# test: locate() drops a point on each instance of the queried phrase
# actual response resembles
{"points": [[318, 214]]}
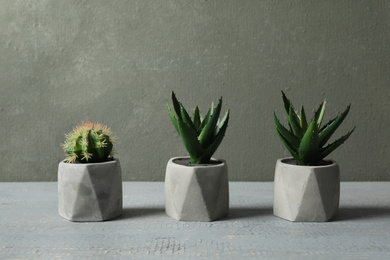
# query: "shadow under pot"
{"points": [[306, 193], [196, 192], [90, 191]]}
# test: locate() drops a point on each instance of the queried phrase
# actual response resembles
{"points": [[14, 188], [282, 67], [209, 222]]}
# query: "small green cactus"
{"points": [[305, 141], [201, 136], [89, 143]]}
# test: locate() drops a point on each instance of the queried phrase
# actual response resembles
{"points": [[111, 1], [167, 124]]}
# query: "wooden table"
{"points": [[30, 227]]}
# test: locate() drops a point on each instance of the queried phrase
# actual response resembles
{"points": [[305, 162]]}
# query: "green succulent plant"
{"points": [[304, 141], [201, 136], [89, 143]]}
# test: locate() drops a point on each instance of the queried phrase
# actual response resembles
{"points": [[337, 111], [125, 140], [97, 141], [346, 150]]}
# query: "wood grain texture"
{"points": [[30, 227]]}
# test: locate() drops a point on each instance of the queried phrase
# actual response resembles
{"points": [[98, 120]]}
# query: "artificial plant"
{"points": [[305, 141], [89, 143], [201, 136]]}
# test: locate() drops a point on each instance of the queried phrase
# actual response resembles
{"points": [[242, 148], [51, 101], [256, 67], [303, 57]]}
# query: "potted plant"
{"points": [[196, 187], [89, 179], [306, 186]]}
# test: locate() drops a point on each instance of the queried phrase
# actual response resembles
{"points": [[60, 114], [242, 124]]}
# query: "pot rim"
{"points": [[114, 160], [222, 164], [280, 160]]}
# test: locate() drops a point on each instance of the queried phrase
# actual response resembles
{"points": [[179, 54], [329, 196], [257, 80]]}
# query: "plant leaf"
{"points": [[176, 105], [206, 118], [207, 134], [319, 115], [303, 120], [290, 148], [308, 149], [331, 127], [190, 141], [294, 123], [210, 150], [290, 137], [186, 118], [288, 105], [331, 147], [173, 118], [197, 122]]}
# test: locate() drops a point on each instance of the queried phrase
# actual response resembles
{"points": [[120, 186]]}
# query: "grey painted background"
{"points": [[116, 62]]}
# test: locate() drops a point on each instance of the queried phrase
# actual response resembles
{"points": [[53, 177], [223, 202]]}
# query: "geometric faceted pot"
{"points": [[196, 192], [306, 193], [90, 191]]}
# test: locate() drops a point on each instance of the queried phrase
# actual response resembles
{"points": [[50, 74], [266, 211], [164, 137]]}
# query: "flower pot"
{"points": [[306, 193], [90, 191], [196, 192]]}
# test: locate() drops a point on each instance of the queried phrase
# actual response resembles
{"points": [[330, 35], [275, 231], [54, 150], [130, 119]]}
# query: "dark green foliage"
{"points": [[201, 136], [306, 142]]}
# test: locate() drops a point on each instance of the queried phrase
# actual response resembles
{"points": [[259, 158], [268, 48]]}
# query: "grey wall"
{"points": [[116, 62]]}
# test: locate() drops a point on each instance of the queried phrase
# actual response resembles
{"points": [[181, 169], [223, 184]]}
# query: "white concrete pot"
{"points": [[90, 191], [196, 193], [306, 193]]}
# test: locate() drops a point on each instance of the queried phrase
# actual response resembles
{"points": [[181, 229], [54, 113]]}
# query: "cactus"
{"points": [[305, 141], [201, 136], [89, 143]]}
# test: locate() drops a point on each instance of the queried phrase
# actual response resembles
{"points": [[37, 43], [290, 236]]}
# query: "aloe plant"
{"points": [[304, 141], [89, 143], [201, 136]]}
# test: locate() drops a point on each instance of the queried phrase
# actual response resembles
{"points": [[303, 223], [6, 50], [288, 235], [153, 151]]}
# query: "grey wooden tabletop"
{"points": [[30, 227]]}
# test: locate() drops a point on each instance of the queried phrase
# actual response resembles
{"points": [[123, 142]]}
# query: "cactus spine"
{"points": [[89, 143]]}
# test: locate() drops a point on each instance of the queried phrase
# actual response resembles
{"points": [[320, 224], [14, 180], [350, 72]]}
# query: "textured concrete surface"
{"points": [[31, 228], [196, 193], [117, 61], [90, 191], [306, 193]]}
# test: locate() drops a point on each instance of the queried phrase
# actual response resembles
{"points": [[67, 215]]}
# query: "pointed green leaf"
{"points": [[294, 123], [197, 121], [331, 127], [331, 147], [308, 149], [210, 150], [207, 134], [221, 123], [303, 120], [206, 118], [176, 105], [292, 139], [290, 148], [288, 106], [186, 118], [287, 103], [319, 115], [173, 118], [190, 140]]}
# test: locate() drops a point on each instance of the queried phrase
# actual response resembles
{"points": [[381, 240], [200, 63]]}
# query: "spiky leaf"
{"points": [[319, 115], [303, 120], [173, 118], [290, 148], [289, 106], [294, 123], [207, 134], [210, 150], [331, 127], [176, 105], [186, 118], [197, 121], [308, 149], [290, 137], [206, 118], [190, 141], [331, 147]]}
